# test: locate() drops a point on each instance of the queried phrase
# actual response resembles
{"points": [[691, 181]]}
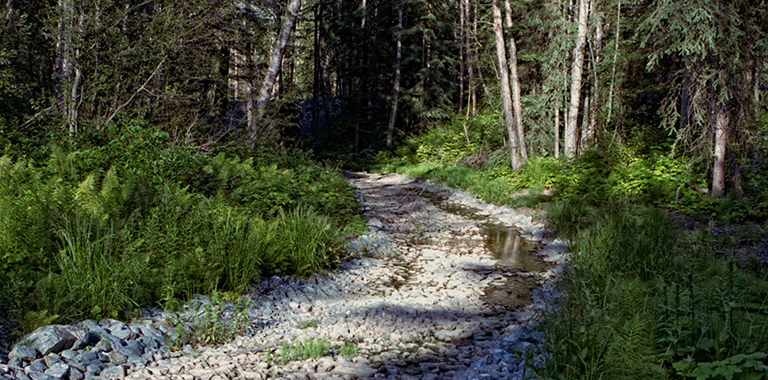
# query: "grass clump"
{"points": [[304, 349], [348, 350], [307, 324]]}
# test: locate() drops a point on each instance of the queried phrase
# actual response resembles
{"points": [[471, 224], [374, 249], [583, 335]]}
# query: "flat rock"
{"points": [[55, 338], [58, 371], [353, 369], [117, 372], [22, 352]]}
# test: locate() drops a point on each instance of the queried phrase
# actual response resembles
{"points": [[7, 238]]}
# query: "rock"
{"points": [[69, 354], [15, 362], [75, 374], [132, 348], [353, 369], [52, 359], [24, 353], [40, 376], [118, 358], [55, 338], [37, 366], [117, 372], [58, 371], [21, 375]]}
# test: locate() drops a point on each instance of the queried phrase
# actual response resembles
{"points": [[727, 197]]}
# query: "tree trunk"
{"points": [[506, 97], [276, 59], [462, 62], [615, 59], [571, 131], [557, 131], [66, 75], [514, 79], [721, 140], [396, 96]]}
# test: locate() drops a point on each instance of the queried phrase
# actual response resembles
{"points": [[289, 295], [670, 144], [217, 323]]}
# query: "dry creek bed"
{"points": [[443, 286]]}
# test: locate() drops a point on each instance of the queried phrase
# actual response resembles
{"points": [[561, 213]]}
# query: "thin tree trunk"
{"points": [[250, 113], [721, 140], [65, 71], [571, 131], [506, 97], [462, 60], [517, 103], [557, 131], [396, 97], [595, 46], [615, 59], [276, 60]]}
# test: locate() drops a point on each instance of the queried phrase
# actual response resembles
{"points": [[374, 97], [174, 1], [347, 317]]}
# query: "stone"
{"points": [[24, 353], [37, 366], [353, 369], [75, 374], [40, 376], [118, 358], [69, 354], [21, 375], [58, 371], [132, 348], [15, 362], [52, 359], [55, 338], [117, 372]]}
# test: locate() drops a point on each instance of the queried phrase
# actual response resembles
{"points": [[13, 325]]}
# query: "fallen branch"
{"points": [[28, 122]]}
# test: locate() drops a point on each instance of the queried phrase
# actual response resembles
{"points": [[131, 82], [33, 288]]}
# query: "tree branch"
{"points": [[142, 88]]}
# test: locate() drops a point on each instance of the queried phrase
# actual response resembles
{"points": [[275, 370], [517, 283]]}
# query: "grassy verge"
{"points": [[101, 231], [644, 297]]}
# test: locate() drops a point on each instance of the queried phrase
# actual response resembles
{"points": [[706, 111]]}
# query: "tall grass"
{"points": [[100, 232]]}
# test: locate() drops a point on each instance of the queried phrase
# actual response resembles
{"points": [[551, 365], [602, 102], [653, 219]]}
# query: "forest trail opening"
{"points": [[441, 287]]}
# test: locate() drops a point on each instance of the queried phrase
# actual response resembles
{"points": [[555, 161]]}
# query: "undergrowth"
{"points": [[100, 231]]}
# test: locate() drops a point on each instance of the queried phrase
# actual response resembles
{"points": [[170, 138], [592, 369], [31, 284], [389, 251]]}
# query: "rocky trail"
{"points": [[443, 286]]}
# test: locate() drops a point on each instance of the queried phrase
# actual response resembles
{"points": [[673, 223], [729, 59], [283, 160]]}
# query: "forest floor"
{"points": [[443, 286]]}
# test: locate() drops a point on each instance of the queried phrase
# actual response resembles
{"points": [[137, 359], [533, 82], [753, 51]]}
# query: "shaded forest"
{"points": [[142, 138]]}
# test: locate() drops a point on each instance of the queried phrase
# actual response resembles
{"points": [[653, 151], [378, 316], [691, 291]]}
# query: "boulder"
{"points": [[58, 371], [55, 338], [24, 353], [117, 372]]}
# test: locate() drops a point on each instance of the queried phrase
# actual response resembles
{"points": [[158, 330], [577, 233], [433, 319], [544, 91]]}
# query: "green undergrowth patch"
{"points": [[643, 299], [100, 231], [304, 349]]}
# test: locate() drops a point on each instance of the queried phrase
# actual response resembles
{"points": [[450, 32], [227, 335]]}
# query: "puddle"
{"points": [[511, 250]]}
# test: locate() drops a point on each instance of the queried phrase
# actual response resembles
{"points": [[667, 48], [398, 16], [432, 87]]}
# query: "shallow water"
{"points": [[511, 250]]}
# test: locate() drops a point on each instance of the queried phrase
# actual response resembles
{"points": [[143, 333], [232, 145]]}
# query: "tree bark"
{"points": [[721, 140], [462, 62], [571, 131], [514, 79], [615, 59], [506, 97], [66, 76], [557, 131], [396, 96], [275, 60]]}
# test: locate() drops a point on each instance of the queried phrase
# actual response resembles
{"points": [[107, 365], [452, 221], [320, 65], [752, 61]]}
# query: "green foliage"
{"points": [[348, 350], [304, 349], [221, 317], [99, 232]]}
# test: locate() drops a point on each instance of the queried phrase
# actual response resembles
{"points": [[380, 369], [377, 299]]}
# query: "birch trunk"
{"points": [[396, 97], [721, 140], [506, 97], [571, 131], [276, 60], [517, 103], [615, 59], [557, 131], [66, 76]]}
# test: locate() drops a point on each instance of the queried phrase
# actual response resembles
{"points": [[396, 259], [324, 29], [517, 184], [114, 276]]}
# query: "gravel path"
{"points": [[438, 289]]}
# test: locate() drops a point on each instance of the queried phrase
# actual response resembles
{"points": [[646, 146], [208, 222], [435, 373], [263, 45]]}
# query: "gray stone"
{"points": [[54, 338], [69, 354], [123, 332], [75, 374], [118, 358], [133, 348], [40, 376], [58, 371], [88, 356], [37, 366], [94, 377], [25, 353], [52, 359], [104, 345], [353, 369], [15, 362], [21, 375], [117, 372]]}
